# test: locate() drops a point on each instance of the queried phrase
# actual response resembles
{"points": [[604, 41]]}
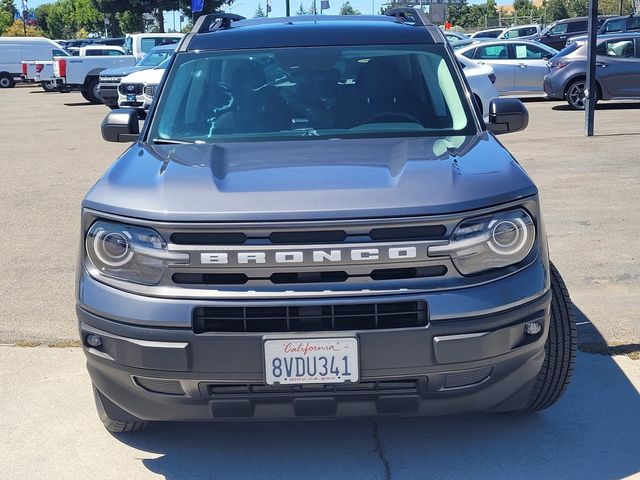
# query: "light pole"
{"points": [[590, 92]]}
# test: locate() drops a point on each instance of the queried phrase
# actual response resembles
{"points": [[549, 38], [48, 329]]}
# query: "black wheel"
{"points": [[6, 80], [85, 95], [92, 91], [48, 86], [560, 349], [113, 425], [574, 95]]}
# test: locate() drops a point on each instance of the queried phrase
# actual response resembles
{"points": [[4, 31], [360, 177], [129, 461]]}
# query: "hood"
{"points": [[310, 179], [153, 75], [122, 71]]}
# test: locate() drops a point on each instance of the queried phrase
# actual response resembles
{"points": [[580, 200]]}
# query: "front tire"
{"points": [[91, 92], [560, 348], [48, 87], [574, 95], [113, 425]]}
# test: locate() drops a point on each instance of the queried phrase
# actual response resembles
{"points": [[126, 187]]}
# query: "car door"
{"points": [[557, 36], [496, 55], [618, 67], [530, 67]]}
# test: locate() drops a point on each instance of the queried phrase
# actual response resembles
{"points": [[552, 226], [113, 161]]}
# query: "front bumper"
{"points": [[109, 94], [465, 363]]}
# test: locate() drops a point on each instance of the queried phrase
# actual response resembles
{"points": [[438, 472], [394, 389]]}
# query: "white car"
{"points": [[521, 31], [138, 89], [489, 33], [15, 50], [520, 65], [481, 79]]}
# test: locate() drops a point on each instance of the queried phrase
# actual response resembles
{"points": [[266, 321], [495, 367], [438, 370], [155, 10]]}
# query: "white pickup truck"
{"points": [[82, 73], [41, 71]]}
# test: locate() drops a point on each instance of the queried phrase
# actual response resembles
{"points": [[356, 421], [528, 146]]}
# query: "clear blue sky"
{"points": [[247, 7]]}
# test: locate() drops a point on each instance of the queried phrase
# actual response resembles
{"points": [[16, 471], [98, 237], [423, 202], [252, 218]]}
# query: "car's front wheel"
{"points": [[127, 424], [575, 94], [6, 81], [560, 349]]}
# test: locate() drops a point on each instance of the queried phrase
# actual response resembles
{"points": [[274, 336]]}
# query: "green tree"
{"points": [[555, 10], [347, 9], [7, 14], [612, 7], [131, 22], [259, 13], [301, 10], [578, 8]]}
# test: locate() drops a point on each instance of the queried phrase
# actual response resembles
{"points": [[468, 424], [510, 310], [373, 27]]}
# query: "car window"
{"points": [[558, 29], [580, 26], [311, 93], [153, 58], [623, 48], [470, 53], [59, 53], [113, 52], [147, 44], [511, 34], [612, 26], [529, 52], [492, 52], [524, 32], [633, 23], [488, 34]]}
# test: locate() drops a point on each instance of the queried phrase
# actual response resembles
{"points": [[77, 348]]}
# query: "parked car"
{"points": [[138, 44], [316, 223], [521, 32], [520, 65], [556, 34], [622, 24], [83, 73], [617, 71], [138, 89], [488, 33], [15, 50], [110, 78], [481, 79]]}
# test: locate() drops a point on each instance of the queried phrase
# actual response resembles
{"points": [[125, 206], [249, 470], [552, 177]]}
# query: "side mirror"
{"points": [[507, 115], [121, 125]]}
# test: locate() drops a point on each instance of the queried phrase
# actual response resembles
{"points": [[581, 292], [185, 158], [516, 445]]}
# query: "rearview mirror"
{"points": [[507, 115], [121, 125]]}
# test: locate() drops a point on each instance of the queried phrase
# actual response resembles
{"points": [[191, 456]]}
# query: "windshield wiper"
{"points": [[172, 141]]}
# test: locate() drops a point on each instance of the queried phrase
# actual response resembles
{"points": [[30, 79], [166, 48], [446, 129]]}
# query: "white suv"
{"points": [[137, 89]]}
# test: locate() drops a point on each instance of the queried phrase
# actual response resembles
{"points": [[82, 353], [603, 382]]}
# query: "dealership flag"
{"points": [[268, 6], [197, 5]]}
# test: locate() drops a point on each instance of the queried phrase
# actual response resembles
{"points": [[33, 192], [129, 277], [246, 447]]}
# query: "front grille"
{"points": [[112, 80], [310, 318], [404, 386], [130, 88], [150, 90]]}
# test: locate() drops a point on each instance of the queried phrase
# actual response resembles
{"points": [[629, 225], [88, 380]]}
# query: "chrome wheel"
{"points": [[575, 95], [5, 82]]}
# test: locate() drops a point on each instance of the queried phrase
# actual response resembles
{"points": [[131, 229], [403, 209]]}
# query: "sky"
{"points": [[247, 8]]}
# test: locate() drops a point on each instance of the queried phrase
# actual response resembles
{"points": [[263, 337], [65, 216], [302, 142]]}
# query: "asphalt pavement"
{"points": [[49, 430]]}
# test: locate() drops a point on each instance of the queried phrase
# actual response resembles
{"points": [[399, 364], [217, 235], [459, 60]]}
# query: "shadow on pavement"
{"points": [[600, 106], [79, 104], [591, 433]]}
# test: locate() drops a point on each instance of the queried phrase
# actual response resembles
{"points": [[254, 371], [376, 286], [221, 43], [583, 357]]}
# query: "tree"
{"points": [[555, 10], [301, 10], [578, 8], [7, 14], [131, 22], [259, 13], [347, 9], [17, 30]]}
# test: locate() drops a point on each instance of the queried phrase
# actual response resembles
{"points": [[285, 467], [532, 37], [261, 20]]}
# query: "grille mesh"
{"points": [[361, 316], [130, 88]]}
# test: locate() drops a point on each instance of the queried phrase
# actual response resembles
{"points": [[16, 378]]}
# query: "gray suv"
{"points": [[315, 222]]}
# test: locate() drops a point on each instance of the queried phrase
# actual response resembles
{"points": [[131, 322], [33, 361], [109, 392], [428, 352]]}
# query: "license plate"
{"points": [[317, 360], [131, 97]]}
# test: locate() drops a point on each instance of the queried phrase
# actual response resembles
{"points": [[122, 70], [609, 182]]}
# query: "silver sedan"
{"points": [[519, 65]]}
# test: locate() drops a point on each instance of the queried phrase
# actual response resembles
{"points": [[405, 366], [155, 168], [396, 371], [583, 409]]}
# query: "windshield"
{"points": [[326, 92], [154, 58], [572, 47]]}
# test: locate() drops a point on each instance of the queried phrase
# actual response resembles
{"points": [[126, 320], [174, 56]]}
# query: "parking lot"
{"points": [[52, 153]]}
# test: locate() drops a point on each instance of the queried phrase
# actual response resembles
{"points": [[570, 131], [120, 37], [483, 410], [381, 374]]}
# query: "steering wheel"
{"points": [[400, 115]]}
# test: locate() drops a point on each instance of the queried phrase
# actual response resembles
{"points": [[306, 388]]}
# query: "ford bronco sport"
{"points": [[315, 222]]}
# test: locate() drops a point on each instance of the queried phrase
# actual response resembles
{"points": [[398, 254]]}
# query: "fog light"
{"points": [[532, 328], [93, 340]]}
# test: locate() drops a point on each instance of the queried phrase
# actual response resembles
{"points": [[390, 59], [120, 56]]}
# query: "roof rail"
{"points": [[409, 15], [215, 21]]}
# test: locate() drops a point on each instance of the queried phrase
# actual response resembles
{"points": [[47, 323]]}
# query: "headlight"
{"points": [[485, 243], [129, 253]]}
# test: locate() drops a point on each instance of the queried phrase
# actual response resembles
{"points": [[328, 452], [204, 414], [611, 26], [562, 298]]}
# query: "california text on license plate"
{"points": [[317, 360]]}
